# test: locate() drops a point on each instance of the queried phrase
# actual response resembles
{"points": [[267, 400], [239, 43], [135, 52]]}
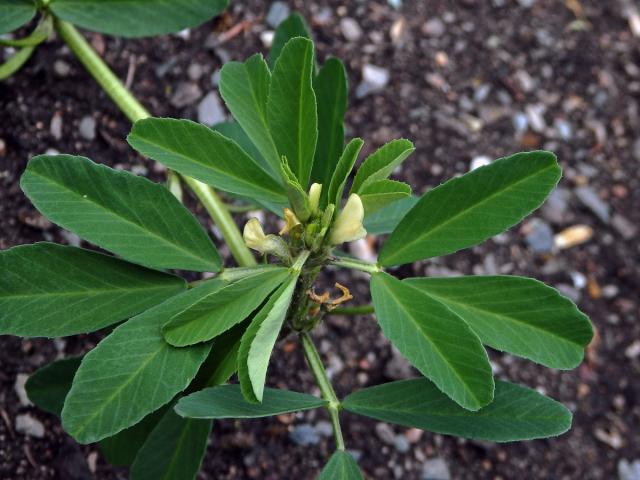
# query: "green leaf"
{"points": [[259, 340], [342, 171], [121, 449], [516, 413], [330, 86], [14, 63], [387, 218], [136, 18], [234, 131], [52, 291], [341, 466], [245, 88], [221, 310], [48, 386], [197, 151], [174, 449], [132, 372], [293, 26], [15, 13], [381, 193], [435, 340], [137, 219], [519, 315], [469, 209], [226, 401], [291, 107], [381, 163]]}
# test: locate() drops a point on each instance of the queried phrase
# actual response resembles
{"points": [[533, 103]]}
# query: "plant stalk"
{"points": [[134, 111], [355, 264], [315, 364]]}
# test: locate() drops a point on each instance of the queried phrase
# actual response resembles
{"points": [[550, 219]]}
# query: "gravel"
{"points": [[27, 425], [210, 109]]}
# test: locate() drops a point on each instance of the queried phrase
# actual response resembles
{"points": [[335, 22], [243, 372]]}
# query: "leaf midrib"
{"points": [[251, 186], [438, 298], [438, 350], [89, 291], [114, 213], [430, 232]]}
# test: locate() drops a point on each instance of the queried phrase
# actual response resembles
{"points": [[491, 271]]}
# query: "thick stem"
{"points": [[358, 310], [223, 220], [355, 264], [134, 112], [315, 364]]}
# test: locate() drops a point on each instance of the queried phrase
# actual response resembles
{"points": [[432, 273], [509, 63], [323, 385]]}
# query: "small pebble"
{"points": [[385, 433], [278, 12], [18, 387], [374, 79], [590, 199], [210, 110], [401, 444], [628, 470], [304, 435], [195, 71], [572, 236], [56, 126], [350, 29], [27, 425], [186, 94], [61, 68], [435, 469], [434, 27], [633, 350], [624, 227], [540, 236], [87, 128], [480, 161]]}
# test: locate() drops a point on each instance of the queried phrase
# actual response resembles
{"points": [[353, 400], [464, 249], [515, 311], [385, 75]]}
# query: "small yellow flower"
{"points": [[348, 226], [290, 220], [255, 238], [314, 196]]}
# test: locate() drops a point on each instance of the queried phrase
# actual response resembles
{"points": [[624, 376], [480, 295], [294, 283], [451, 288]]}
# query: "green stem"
{"points": [[223, 220], [101, 72], [358, 310], [134, 112], [355, 264], [315, 364]]}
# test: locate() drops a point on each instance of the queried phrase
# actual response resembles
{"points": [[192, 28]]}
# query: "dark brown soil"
{"points": [[583, 66]]}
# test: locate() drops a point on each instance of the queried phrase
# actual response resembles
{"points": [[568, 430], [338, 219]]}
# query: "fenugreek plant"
{"points": [[149, 391]]}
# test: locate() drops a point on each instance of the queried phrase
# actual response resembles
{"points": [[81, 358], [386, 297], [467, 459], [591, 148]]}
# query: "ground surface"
{"points": [[467, 78]]}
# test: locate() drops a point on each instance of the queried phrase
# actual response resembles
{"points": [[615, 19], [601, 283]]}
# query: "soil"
{"points": [[456, 93]]}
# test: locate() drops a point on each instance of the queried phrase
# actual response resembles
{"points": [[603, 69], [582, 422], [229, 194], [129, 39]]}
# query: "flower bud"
{"points": [[290, 220], [255, 238], [348, 226], [314, 197]]}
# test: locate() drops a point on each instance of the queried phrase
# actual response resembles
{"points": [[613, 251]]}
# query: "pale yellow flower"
{"points": [[314, 196], [348, 226]]}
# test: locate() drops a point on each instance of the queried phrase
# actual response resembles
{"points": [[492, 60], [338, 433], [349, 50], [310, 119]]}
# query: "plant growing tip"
{"points": [[196, 338]]}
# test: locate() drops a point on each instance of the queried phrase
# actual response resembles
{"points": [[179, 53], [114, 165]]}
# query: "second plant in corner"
{"points": [[151, 389]]}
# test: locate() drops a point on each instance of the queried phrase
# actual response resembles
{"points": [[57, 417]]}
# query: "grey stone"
{"points": [[535, 114], [350, 29], [434, 27], [18, 387], [278, 12], [374, 79], [628, 469], [563, 129], [624, 227], [215, 78], [385, 433], [540, 236], [87, 128], [482, 92], [324, 428], [555, 208], [479, 161], [195, 71], [520, 122], [636, 149], [593, 202], [56, 126], [27, 425], [569, 291], [210, 110], [401, 444], [186, 94], [61, 68], [524, 79], [435, 469], [304, 435]]}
